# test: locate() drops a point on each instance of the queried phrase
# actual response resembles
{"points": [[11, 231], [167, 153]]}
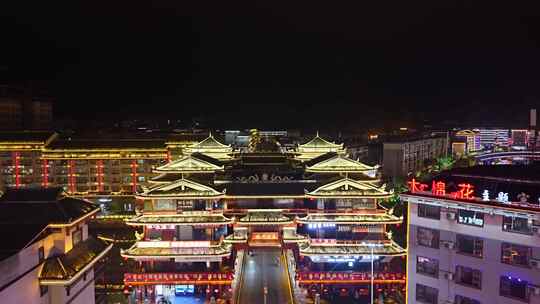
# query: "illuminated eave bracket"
{"points": [[146, 220], [70, 281], [383, 218], [342, 250]]}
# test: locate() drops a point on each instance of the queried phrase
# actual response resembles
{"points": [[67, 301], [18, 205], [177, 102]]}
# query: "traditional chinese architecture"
{"points": [[473, 236], [207, 206], [46, 255]]}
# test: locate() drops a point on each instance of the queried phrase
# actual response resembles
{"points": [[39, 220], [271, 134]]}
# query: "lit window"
{"points": [[427, 266], [515, 254]]}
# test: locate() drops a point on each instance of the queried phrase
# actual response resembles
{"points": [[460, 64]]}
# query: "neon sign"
{"points": [[178, 278], [502, 197], [438, 188], [415, 186], [485, 195], [467, 191], [321, 225]]}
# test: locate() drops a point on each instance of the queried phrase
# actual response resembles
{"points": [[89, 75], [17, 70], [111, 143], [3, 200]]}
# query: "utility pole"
{"points": [[372, 279], [534, 135]]}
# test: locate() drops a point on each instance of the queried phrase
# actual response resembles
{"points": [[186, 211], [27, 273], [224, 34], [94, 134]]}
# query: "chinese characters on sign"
{"points": [[466, 191], [179, 278], [438, 188], [415, 186], [502, 197]]}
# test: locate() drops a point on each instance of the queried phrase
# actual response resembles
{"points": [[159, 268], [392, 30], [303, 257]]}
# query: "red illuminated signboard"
{"points": [[356, 277], [438, 188], [178, 278]]}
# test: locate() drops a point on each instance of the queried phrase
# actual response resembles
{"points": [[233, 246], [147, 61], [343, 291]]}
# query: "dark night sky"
{"points": [[294, 63]]}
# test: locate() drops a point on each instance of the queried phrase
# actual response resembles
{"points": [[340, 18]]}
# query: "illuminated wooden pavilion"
{"points": [[205, 206], [317, 147]]}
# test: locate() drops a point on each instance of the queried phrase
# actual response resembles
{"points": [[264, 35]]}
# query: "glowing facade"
{"points": [[205, 208], [47, 256], [473, 237], [87, 168]]}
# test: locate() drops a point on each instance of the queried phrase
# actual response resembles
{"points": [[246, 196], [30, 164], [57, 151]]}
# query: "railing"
{"points": [[290, 267], [237, 282]]}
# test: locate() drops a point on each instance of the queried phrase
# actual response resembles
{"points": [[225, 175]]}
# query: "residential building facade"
{"points": [[403, 156], [474, 237], [46, 255]]}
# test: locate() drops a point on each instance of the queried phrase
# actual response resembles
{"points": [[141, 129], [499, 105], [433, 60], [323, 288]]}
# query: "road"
{"points": [[265, 268]]}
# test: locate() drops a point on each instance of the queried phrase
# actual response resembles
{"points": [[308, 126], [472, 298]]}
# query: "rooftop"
{"points": [[511, 179], [68, 267], [412, 137], [30, 211], [26, 136], [107, 144], [319, 142], [507, 173]]}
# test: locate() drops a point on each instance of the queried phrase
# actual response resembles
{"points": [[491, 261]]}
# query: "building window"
{"points": [[465, 300], [43, 290], [515, 254], [472, 218], [427, 266], [470, 245], [41, 254], [426, 294], [517, 224], [515, 288], [469, 277], [432, 212], [427, 237], [76, 236]]}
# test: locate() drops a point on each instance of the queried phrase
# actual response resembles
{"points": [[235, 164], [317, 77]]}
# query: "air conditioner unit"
{"points": [[535, 290], [447, 244], [449, 276], [535, 263], [451, 216]]}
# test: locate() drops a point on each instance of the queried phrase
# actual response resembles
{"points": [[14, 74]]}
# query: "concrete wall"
{"points": [[392, 160], [490, 264], [82, 292], [22, 268]]}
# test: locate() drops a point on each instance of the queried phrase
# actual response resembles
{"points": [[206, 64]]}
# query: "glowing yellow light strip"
{"points": [[79, 273]]}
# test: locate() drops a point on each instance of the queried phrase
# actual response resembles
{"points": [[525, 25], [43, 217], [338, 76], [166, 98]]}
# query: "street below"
{"points": [[265, 268]]}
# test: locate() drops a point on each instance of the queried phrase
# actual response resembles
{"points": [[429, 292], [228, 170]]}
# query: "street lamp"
{"points": [[372, 247]]}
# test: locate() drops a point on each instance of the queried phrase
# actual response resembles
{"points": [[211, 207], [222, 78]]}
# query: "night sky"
{"points": [[280, 64]]}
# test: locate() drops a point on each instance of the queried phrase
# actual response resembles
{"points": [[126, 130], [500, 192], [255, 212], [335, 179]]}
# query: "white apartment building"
{"points": [[474, 247], [46, 255]]}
